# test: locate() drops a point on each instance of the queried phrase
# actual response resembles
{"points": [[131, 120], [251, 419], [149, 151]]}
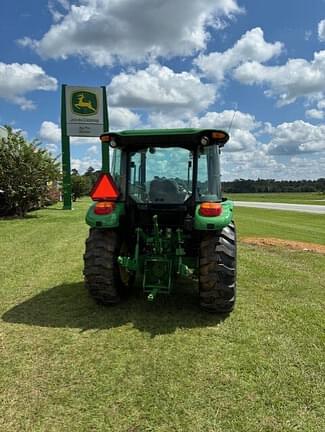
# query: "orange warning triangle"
{"points": [[104, 189]]}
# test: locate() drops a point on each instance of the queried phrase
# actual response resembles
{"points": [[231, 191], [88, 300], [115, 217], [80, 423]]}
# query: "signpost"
{"points": [[83, 114]]}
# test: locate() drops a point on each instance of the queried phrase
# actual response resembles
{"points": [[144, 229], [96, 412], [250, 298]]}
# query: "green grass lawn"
{"points": [[312, 198], [69, 365], [280, 224]]}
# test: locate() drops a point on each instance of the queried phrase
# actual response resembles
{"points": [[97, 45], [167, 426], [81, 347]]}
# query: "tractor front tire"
{"points": [[101, 270], [217, 273]]}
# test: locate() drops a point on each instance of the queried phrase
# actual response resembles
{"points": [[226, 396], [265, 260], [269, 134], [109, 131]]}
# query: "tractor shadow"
{"points": [[69, 306]]}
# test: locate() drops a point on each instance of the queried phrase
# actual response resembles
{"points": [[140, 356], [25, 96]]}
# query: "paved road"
{"points": [[281, 206]]}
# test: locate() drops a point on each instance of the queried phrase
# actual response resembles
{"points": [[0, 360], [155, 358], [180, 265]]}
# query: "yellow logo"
{"points": [[84, 103]]}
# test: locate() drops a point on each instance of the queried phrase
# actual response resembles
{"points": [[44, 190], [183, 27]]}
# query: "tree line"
{"points": [[81, 184], [271, 185]]}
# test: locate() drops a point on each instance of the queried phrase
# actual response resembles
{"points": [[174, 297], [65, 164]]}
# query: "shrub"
{"points": [[26, 171]]}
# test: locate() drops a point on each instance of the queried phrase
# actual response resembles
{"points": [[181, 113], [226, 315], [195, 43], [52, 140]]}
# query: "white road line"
{"points": [[282, 206]]}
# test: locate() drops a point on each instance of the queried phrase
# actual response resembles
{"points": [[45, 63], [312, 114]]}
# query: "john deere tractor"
{"points": [[159, 215]]}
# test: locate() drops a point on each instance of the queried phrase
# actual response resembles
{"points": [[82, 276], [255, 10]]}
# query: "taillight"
{"points": [[104, 208], [219, 135], [210, 209]]}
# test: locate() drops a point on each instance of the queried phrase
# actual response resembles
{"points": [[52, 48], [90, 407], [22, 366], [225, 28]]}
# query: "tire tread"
{"points": [[217, 272]]}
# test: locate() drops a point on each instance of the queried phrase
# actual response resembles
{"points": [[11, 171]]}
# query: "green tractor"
{"points": [[159, 215]]}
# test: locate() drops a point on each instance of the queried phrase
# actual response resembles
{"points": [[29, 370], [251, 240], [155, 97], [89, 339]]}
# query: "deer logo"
{"points": [[84, 103]]}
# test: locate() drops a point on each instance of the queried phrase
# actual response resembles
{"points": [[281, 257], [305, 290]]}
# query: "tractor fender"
{"points": [[111, 220], [205, 223]]}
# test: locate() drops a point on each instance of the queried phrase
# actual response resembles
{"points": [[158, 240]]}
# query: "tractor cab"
{"points": [[166, 171], [159, 205]]}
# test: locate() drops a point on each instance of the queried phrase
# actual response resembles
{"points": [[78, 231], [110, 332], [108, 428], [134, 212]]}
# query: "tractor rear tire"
{"points": [[101, 270], [217, 272]]}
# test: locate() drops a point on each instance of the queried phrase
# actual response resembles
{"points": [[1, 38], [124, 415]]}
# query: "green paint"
{"points": [[203, 223], [157, 275], [66, 167], [105, 221], [157, 270]]}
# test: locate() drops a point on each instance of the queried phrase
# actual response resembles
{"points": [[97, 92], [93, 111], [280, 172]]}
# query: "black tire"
{"points": [[217, 272], [101, 270]]}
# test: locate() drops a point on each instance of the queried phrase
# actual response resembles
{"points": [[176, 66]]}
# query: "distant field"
{"points": [[293, 198], [69, 365], [280, 224]]}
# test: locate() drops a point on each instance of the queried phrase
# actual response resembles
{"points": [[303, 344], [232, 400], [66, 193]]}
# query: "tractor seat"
{"points": [[164, 191]]}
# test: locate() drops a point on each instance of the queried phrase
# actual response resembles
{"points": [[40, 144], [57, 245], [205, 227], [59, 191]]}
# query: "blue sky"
{"points": [[258, 65]]}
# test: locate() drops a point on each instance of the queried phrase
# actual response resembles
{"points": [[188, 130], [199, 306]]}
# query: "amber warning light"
{"points": [[105, 138], [104, 189]]}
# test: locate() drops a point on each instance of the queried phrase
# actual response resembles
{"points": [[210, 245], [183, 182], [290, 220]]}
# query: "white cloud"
{"points": [[105, 31], [321, 30], [160, 88], [260, 165], [55, 7], [253, 164], [56, 15], [242, 126], [238, 120], [123, 118], [295, 79], [268, 129], [315, 114], [161, 120], [93, 150], [241, 133], [51, 133], [52, 148], [305, 168], [83, 164], [321, 104], [295, 138], [250, 47], [18, 79]]}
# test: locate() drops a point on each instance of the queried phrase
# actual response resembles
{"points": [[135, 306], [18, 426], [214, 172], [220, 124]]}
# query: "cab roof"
{"points": [[189, 138]]}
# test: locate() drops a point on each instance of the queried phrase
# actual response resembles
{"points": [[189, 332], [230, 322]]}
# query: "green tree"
{"points": [[79, 185], [26, 173]]}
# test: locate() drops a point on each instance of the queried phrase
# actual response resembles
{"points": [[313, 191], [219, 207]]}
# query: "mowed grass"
{"points": [[69, 365], [305, 227], [311, 198]]}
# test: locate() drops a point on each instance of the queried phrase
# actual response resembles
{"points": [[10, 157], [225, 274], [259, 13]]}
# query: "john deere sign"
{"points": [[84, 103], [84, 111], [83, 114]]}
